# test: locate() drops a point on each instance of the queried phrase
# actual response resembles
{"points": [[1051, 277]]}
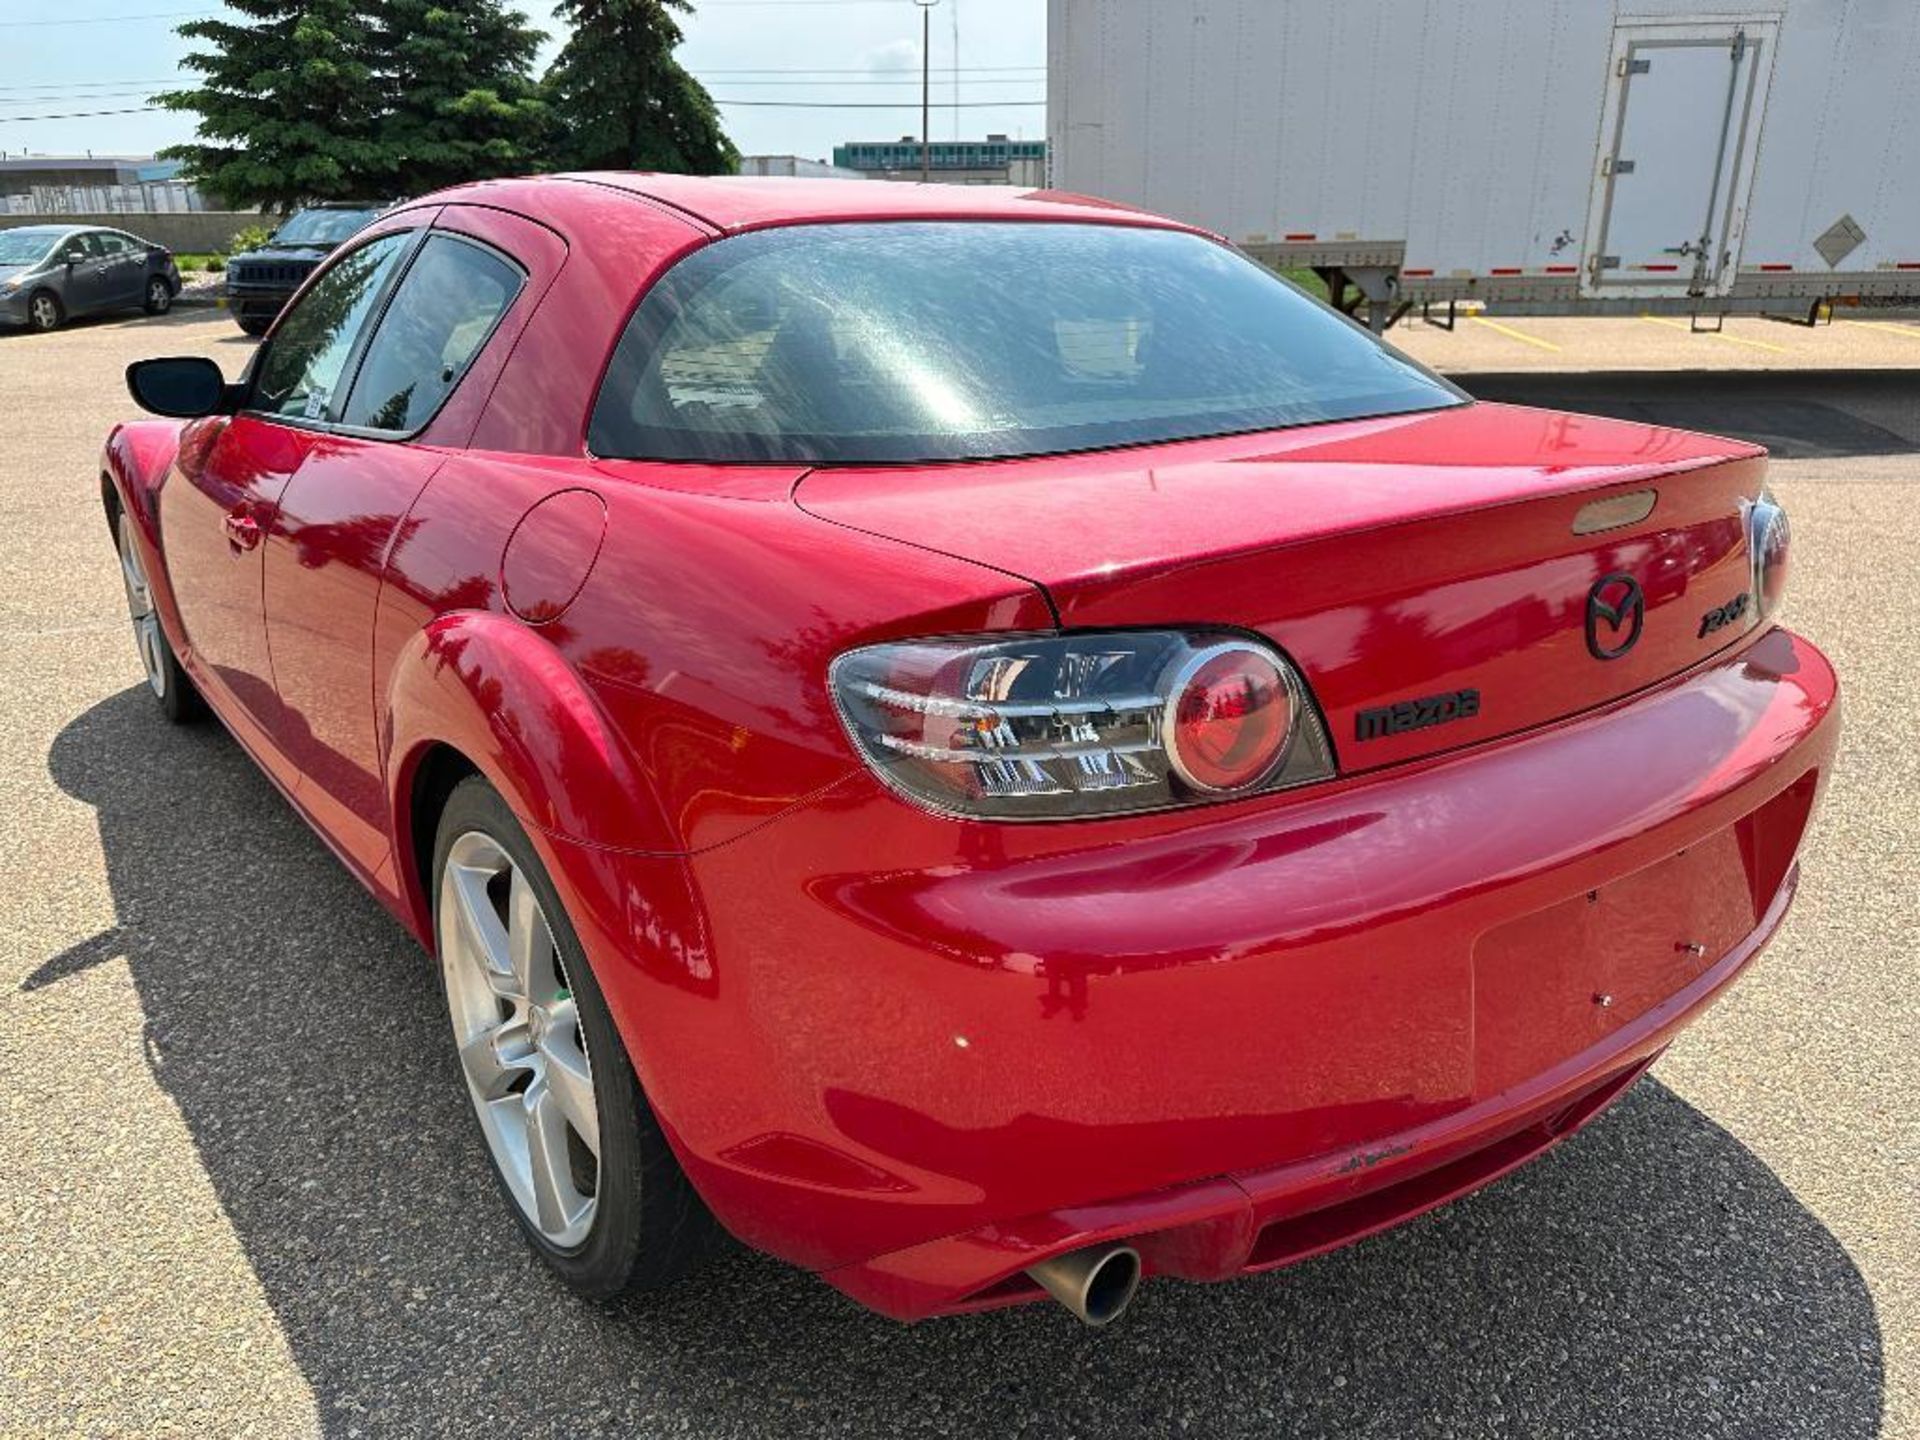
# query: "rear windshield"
{"points": [[944, 340], [321, 227]]}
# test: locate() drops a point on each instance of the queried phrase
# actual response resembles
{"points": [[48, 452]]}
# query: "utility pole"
{"points": [[926, 88]]}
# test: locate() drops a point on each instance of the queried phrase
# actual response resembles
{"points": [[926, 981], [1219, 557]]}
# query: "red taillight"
{"points": [[1229, 719]]}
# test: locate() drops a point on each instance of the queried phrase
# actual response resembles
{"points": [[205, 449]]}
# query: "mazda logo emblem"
{"points": [[1616, 614]]}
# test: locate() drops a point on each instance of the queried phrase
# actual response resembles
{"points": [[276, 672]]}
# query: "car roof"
{"points": [[51, 232], [730, 203]]}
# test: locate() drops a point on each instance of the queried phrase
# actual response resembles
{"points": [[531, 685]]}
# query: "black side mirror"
{"points": [[181, 387]]}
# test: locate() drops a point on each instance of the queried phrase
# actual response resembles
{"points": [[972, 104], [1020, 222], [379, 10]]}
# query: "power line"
{"points": [[77, 115], [113, 19], [145, 88], [67, 87], [211, 14], [870, 84], [141, 93], [746, 104], [879, 104], [868, 70], [145, 91]]}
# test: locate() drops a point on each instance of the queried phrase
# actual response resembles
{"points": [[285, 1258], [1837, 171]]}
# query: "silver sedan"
{"points": [[50, 273]]}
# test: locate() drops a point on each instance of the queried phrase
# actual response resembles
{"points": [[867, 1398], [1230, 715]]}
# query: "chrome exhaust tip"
{"points": [[1096, 1283]]}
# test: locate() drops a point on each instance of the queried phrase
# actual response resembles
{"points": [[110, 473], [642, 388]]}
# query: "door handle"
{"points": [[243, 531]]}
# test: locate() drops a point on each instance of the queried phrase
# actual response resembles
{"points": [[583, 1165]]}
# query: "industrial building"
{"points": [[795, 167], [104, 184], [996, 160]]}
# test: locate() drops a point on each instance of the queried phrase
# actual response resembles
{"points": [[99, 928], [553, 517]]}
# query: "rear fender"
{"points": [[497, 692]]}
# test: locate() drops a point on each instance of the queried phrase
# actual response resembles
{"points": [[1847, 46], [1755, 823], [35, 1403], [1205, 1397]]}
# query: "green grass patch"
{"points": [[1307, 281]]}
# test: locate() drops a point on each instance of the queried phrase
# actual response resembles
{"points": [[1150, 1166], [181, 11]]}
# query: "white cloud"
{"points": [[893, 58]]}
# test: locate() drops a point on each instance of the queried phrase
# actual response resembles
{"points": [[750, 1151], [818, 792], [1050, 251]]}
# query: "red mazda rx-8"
{"points": [[979, 741]]}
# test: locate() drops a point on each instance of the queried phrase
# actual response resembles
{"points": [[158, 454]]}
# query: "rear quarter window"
{"points": [[448, 303]]}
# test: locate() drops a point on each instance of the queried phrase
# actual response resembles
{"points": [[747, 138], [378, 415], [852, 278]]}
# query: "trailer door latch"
{"points": [[1611, 166], [1633, 67]]}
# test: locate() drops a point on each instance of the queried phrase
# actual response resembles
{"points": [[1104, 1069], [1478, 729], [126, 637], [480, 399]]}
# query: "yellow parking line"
{"points": [[1717, 334], [1520, 335], [1907, 330]]}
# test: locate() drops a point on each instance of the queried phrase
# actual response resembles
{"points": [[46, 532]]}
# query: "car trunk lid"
{"points": [[1440, 578]]}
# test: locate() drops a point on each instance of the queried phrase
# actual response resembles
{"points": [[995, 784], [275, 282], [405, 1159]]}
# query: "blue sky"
{"points": [[97, 55]]}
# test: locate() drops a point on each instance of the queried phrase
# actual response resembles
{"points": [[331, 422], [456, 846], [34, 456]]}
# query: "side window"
{"points": [[447, 305], [307, 356], [112, 246], [90, 243]]}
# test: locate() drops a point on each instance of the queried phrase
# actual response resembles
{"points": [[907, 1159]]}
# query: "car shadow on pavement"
{"points": [[1649, 1278], [1796, 414]]}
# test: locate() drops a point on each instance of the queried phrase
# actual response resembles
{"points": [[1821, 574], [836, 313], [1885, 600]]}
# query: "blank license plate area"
{"points": [[1551, 984]]}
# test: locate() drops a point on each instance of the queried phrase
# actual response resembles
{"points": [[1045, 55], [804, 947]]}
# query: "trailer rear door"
{"points": [[1683, 109]]}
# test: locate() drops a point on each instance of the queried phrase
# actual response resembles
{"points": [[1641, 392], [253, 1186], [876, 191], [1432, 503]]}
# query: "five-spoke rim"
{"points": [[518, 1031], [147, 638], [159, 293], [45, 312]]}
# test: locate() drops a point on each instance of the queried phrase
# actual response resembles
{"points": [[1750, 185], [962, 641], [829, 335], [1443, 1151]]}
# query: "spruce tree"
{"points": [[620, 100], [462, 101], [289, 104]]}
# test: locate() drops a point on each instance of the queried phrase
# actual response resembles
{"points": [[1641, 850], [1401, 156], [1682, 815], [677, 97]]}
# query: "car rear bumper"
{"points": [[920, 1056], [1252, 1221]]}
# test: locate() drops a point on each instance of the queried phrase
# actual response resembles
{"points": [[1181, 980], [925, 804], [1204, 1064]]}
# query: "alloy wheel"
{"points": [[159, 296], [147, 638], [521, 1047], [44, 311]]}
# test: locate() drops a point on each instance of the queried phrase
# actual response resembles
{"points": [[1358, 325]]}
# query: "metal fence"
{"points": [[154, 197]]}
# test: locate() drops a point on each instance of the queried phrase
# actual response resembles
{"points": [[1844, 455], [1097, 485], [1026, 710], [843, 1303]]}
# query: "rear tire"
{"points": [[174, 691], [254, 325], [531, 1032], [159, 298], [45, 312]]}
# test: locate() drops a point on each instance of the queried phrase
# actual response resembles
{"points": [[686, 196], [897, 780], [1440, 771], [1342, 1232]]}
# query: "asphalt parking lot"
{"points": [[242, 1193]]}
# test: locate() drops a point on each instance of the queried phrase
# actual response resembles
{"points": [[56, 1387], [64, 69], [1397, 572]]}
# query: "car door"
{"points": [[219, 504], [345, 509], [85, 290], [123, 272]]}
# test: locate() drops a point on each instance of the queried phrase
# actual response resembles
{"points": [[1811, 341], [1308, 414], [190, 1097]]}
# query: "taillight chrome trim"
{"points": [[978, 710], [1765, 522]]}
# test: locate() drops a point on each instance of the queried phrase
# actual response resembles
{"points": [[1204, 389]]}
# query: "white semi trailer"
{"points": [[1539, 156]]}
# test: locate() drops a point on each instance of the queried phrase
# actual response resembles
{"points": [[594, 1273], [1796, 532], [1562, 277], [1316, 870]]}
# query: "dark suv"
{"points": [[261, 281]]}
